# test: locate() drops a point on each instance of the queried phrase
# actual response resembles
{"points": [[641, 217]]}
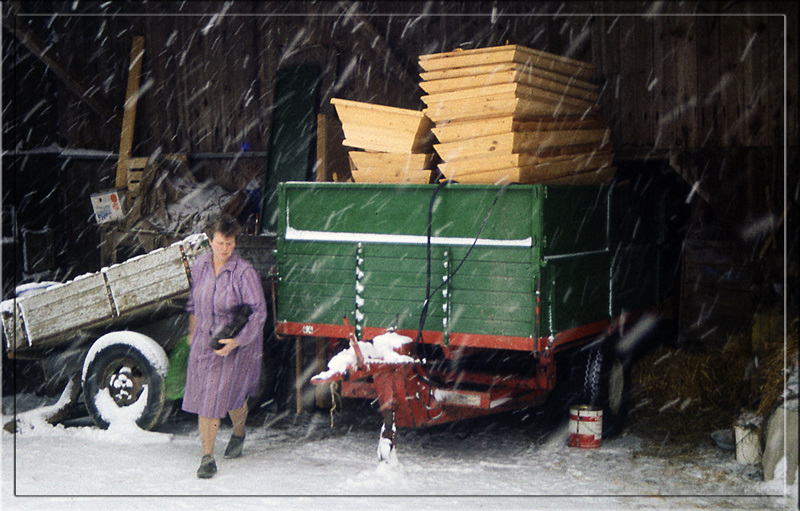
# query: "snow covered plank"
{"points": [[508, 143], [73, 305], [509, 53], [147, 279]]}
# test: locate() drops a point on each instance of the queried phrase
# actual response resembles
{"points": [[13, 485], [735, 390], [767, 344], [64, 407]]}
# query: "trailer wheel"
{"points": [[606, 385], [123, 379]]}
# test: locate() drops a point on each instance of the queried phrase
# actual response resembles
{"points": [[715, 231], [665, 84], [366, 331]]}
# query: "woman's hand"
{"points": [[229, 345]]}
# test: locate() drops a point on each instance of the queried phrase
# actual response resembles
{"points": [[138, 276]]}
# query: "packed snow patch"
{"points": [[381, 350], [122, 420]]}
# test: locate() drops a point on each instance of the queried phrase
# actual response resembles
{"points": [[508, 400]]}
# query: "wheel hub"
{"points": [[124, 381]]}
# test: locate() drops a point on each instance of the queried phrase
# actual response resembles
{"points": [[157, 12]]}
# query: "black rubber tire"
{"points": [[126, 364], [607, 385]]}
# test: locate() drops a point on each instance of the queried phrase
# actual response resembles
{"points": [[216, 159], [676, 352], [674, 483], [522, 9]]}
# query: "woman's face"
{"points": [[222, 246]]}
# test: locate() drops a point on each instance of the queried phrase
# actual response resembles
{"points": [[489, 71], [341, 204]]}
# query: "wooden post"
{"points": [[129, 113], [322, 392], [298, 367]]}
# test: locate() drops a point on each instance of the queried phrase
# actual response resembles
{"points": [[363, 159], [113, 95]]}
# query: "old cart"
{"points": [[492, 293], [113, 329]]}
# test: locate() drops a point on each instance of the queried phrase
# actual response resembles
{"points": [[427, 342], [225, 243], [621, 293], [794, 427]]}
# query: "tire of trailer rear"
{"points": [[608, 386]]}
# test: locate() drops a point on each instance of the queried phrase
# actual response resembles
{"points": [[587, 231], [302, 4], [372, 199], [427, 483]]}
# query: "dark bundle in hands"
{"points": [[230, 330]]}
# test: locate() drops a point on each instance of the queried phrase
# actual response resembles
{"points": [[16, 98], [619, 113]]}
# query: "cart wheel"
{"points": [[606, 385], [123, 379]]}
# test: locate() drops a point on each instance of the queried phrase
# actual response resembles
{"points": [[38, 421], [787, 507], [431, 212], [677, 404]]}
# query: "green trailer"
{"points": [[490, 285]]}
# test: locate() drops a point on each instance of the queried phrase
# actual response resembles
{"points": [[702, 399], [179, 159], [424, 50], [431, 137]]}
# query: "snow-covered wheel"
{"points": [[123, 379]]}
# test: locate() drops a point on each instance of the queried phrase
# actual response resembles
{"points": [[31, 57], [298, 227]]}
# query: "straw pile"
{"points": [[394, 144], [514, 114], [694, 393]]}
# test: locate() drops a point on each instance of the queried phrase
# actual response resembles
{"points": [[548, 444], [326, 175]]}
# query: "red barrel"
{"points": [[585, 426]]}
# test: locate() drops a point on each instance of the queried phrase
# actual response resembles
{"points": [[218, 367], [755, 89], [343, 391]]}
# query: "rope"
{"points": [[334, 395]]}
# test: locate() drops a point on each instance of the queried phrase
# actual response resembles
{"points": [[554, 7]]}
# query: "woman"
{"points": [[218, 382]]}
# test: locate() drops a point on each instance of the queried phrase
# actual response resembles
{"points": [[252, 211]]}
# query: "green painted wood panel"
{"points": [[555, 239]]}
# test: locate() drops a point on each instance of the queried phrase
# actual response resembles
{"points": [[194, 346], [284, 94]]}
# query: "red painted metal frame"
{"points": [[409, 390]]}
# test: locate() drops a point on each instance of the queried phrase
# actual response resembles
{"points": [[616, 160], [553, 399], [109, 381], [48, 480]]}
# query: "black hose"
{"points": [[428, 294]]}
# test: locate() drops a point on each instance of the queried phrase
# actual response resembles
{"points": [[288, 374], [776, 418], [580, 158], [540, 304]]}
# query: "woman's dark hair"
{"points": [[225, 225]]}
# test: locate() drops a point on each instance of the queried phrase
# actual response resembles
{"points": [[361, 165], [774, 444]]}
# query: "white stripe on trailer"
{"points": [[293, 234]]}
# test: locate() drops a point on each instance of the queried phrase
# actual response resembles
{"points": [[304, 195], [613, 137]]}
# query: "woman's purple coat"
{"points": [[215, 385]]}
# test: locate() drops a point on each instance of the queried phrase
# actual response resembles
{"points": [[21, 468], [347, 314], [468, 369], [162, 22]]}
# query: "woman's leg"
{"points": [[238, 418], [208, 433]]}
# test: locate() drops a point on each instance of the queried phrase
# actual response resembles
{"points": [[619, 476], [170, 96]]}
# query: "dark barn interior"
{"points": [[700, 97]]}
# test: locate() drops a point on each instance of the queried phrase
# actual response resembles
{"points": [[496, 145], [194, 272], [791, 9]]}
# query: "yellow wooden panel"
{"points": [[509, 53], [547, 169], [470, 128], [515, 89], [507, 143], [530, 79], [523, 72], [364, 161]]}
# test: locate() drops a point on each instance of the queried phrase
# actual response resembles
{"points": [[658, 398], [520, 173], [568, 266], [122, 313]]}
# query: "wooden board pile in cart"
{"points": [[514, 114], [394, 145]]}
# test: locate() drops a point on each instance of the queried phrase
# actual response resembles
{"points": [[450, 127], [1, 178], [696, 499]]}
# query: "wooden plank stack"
{"points": [[395, 145], [514, 114]]}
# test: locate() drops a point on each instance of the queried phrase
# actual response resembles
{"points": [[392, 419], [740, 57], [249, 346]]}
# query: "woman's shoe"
{"points": [[208, 467], [234, 449]]}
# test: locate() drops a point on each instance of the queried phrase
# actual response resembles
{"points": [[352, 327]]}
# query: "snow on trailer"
{"points": [[52, 316], [492, 283]]}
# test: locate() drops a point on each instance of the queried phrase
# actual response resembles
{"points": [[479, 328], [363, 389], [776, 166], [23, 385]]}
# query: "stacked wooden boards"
{"points": [[514, 114], [396, 144]]}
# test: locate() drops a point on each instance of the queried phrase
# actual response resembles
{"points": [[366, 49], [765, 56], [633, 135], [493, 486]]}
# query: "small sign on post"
{"points": [[109, 206]]}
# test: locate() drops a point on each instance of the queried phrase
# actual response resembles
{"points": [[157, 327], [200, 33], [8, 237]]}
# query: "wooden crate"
{"points": [[503, 54], [515, 142], [383, 128]]}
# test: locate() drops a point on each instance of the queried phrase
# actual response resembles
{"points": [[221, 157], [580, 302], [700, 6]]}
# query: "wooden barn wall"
{"points": [[710, 85]]}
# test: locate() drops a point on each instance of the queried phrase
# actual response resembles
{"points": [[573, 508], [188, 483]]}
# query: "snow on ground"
{"points": [[301, 462]]}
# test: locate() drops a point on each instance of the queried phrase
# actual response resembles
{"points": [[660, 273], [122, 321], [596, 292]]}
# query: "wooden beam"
{"points": [[39, 50], [129, 115]]}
